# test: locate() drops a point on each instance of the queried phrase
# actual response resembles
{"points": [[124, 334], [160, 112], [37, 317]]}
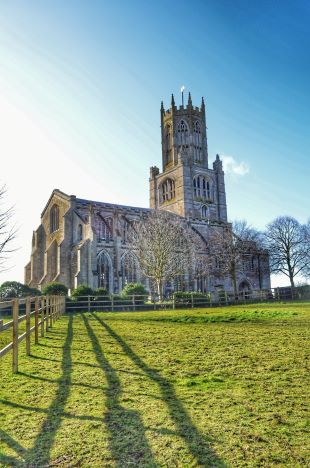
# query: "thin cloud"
{"points": [[231, 166]]}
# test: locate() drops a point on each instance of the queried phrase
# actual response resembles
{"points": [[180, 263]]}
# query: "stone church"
{"points": [[86, 242]]}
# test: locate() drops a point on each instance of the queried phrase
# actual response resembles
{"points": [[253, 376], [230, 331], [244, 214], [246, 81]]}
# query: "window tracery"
{"points": [[168, 149], [202, 187], [197, 140], [104, 270], [182, 133], [54, 218], [129, 268], [105, 229], [167, 190]]}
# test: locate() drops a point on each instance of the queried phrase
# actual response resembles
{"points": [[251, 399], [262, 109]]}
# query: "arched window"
{"points": [[129, 268], [167, 190], [204, 211], [105, 229], [104, 271], [202, 188], [80, 232], [182, 132], [125, 231], [54, 218], [201, 276], [168, 151], [197, 140]]}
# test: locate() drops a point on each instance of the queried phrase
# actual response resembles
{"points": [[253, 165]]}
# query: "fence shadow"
{"points": [[127, 442], [197, 444], [39, 454]]}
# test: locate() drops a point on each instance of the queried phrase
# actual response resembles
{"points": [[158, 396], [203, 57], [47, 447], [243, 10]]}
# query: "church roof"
{"points": [[135, 209]]}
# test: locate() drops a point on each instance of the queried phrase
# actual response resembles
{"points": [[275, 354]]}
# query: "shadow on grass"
{"points": [[198, 446], [14, 445], [39, 454], [127, 442]]}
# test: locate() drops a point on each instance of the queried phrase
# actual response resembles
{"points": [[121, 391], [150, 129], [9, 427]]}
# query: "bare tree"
{"points": [[306, 237], [231, 246], [166, 247], [7, 230], [285, 240]]}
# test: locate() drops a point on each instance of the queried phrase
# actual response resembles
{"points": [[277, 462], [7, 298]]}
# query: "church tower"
{"points": [[186, 185]]}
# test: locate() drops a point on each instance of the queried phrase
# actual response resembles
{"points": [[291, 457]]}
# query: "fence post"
{"points": [[15, 304], [28, 307], [51, 311], [47, 309], [88, 303], [133, 302], [42, 316], [226, 298], [36, 320], [192, 300], [173, 301]]}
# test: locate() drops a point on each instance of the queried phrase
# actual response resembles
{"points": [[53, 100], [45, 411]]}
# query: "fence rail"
{"points": [[44, 309], [115, 303]]}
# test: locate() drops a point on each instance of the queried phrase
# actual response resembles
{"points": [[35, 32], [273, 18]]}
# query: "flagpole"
{"points": [[182, 93]]}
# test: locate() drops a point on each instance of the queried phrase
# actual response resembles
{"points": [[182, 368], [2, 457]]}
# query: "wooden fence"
{"points": [[44, 309]]}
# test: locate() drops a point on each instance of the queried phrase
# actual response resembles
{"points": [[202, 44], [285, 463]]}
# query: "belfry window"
{"points": [[54, 218], [80, 232], [197, 140], [168, 151], [182, 131], [167, 190], [202, 188]]}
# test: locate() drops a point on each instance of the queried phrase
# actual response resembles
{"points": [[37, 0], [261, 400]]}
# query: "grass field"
{"points": [[209, 387]]}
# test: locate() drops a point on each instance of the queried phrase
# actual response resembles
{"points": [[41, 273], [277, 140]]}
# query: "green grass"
{"points": [[210, 387]]}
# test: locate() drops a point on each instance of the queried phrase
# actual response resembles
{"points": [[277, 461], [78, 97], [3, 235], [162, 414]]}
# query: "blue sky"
{"points": [[80, 90]]}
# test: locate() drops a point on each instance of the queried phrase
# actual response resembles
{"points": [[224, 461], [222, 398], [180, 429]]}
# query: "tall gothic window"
{"points": [[197, 141], [201, 277], [167, 190], [104, 271], [105, 229], [168, 150], [129, 269], [125, 231], [80, 232], [182, 132], [202, 188], [204, 211], [54, 218]]}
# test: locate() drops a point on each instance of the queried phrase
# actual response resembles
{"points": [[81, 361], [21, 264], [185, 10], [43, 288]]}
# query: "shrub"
{"points": [[55, 289], [101, 292], [135, 289], [82, 290]]}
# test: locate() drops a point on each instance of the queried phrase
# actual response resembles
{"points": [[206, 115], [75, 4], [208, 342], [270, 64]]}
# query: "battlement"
{"points": [[181, 109]]}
